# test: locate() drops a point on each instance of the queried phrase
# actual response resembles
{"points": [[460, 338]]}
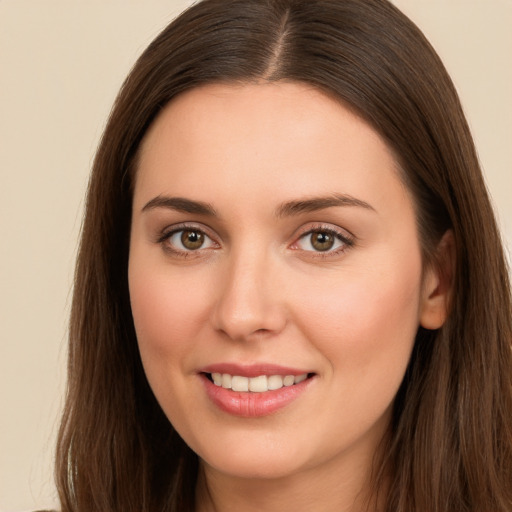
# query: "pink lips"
{"points": [[248, 404]]}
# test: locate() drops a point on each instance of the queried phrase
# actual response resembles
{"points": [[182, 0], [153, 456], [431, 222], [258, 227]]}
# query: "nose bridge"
{"points": [[248, 299]]}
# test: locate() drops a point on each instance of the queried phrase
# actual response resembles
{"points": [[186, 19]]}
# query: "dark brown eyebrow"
{"points": [[180, 204], [284, 210], [319, 203]]}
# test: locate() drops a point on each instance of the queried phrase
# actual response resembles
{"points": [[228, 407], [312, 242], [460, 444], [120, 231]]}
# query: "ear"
{"points": [[438, 284]]}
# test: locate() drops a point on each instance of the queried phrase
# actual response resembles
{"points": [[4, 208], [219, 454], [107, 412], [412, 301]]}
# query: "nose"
{"points": [[249, 303]]}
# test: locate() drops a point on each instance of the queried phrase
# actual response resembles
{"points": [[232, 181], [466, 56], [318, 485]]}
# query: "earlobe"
{"points": [[438, 284]]}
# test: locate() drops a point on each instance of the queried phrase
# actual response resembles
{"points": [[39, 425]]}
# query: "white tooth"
{"points": [[226, 380], [239, 383], [258, 384], [300, 378], [217, 379], [289, 380], [274, 382]]}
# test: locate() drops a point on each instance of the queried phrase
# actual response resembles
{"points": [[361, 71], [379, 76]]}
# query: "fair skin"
{"points": [[293, 246]]}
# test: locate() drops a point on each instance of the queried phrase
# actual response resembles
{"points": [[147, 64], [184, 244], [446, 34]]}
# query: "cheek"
{"points": [[168, 313], [366, 326]]}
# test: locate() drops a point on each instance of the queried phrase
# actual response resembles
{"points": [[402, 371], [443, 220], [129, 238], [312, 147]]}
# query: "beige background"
{"points": [[61, 64]]}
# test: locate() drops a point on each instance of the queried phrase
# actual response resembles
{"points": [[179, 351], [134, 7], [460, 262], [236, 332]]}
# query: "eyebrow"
{"points": [[319, 203], [286, 209], [180, 204]]}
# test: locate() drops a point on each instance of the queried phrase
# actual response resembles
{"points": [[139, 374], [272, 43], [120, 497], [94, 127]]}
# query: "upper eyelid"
{"points": [[184, 226], [331, 228]]}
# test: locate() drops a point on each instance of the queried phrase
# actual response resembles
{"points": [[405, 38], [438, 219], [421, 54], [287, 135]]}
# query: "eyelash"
{"points": [[167, 234], [347, 240]]}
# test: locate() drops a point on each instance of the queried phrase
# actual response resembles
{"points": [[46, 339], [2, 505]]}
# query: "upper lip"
{"points": [[252, 370]]}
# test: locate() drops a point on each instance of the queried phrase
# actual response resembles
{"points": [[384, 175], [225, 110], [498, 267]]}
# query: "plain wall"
{"points": [[61, 64]]}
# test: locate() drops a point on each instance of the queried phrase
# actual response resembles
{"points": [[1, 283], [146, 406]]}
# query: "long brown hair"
{"points": [[450, 447]]}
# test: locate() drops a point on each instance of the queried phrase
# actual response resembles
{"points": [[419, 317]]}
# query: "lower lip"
{"points": [[253, 405]]}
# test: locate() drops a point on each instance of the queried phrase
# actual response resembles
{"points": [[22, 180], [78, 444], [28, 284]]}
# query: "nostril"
{"points": [[261, 331]]}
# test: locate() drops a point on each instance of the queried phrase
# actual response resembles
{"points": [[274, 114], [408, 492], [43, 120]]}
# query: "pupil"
{"points": [[192, 239], [322, 241]]}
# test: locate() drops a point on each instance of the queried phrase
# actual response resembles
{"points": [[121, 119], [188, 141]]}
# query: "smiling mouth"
{"points": [[259, 384]]}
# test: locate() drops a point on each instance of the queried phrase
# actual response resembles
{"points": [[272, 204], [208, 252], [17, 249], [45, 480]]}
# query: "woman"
{"points": [[290, 289]]}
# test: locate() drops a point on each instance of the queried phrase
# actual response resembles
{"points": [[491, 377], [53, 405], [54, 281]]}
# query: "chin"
{"points": [[252, 460], [256, 468]]}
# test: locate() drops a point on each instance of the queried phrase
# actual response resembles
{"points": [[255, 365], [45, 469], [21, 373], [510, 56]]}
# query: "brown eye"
{"points": [[185, 241], [322, 240], [192, 240]]}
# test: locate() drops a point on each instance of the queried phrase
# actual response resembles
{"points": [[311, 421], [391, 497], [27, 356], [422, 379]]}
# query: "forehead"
{"points": [[286, 137], [292, 110]]}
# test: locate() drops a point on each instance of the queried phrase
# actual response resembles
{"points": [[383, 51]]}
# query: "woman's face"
{"points": [[273, 243]]}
